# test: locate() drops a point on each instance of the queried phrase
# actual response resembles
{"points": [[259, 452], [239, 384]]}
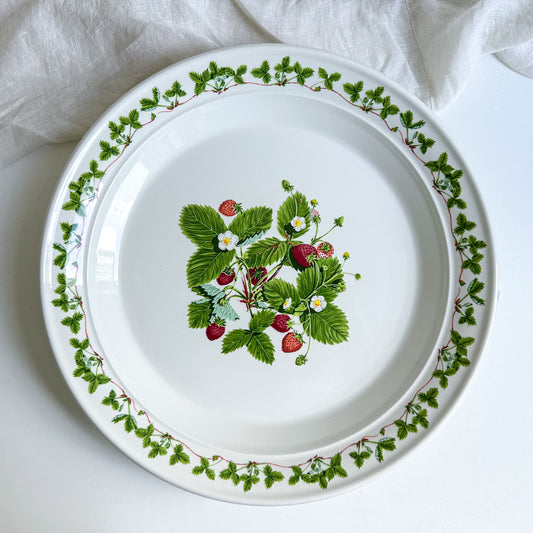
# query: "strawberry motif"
{"points": [[226, 277], [280, 323], [325, 249], [257, 274], [214, 331], [249, 259], [302, 254], [292, 342], [229, 208]]}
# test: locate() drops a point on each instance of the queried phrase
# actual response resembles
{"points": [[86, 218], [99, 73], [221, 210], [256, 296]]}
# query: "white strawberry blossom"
{"points": [[298, 223], [318, 303], [227, 241], [287, 303]]}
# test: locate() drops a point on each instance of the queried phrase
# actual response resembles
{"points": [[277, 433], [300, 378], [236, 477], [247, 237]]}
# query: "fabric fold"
{"points": [[64, 62]]}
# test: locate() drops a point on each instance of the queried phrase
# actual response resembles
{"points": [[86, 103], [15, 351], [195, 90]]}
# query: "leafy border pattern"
{"points": [[449, 359]]}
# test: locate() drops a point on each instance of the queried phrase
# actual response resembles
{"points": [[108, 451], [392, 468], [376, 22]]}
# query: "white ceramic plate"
{"points": [[134, 243]]}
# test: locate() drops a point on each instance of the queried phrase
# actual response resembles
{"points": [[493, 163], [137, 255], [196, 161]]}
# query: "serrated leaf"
{"points": [[251, 240], [266, 252], [323, 481], [206, 264], [353, 90], [214, 292], [406, 119], [277, 291], [260, 346], [103, 379], [295, 205], [199, 314], [359, 458], [222, 309], [62, 303], [130, 423], [250, 222], [261, 320], [201, 224], [387, 443], [262, 72], [93, 385], [379, 454], [324, 273], [329, 326], [195, 77], [179, 456], [229, 471], [271, 476], [235, 339]]}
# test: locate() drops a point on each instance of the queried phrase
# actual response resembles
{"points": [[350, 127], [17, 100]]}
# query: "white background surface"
{"points": [[58, 473]]}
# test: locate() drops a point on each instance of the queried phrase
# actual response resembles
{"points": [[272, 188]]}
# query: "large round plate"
{"points": [[134, 244]]}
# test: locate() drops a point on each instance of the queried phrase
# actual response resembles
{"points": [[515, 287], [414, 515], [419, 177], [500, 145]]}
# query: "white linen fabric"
{"points": [[64, 62]]}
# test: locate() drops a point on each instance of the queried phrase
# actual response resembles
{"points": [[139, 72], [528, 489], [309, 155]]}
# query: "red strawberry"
{"points": [[292, 342], [226, 277], [325, 249], [302, 253], [214, 331], [280, 323], [257, 274], [229, 208]]}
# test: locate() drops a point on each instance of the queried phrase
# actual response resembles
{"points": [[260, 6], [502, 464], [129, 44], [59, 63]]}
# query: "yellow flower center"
{"points": [[298, 223], [227, 241], [316, 303]]}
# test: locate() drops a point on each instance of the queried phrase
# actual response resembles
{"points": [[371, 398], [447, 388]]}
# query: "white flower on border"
{"points": [[227, 241], [318, 303], [298, 223], [287, 303]]}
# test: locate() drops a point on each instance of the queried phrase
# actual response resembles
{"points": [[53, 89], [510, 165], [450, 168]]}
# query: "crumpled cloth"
{"points": [[63, 62]]}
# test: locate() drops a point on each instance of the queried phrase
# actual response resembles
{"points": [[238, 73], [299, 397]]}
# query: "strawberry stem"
{"points": [[316, 239]]}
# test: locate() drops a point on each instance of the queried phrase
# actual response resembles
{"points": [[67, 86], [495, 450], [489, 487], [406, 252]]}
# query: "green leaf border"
{"points": [[445, 180]]}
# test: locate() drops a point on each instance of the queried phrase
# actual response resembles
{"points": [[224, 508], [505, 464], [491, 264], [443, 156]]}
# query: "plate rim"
{"points": [[489, 261]]}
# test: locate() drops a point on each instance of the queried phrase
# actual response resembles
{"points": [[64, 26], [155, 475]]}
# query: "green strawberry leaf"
{"points": [[353, 90], [231, 472], [262, 72], [295, 205], [199, 314], [60, 260], [266, 252], [205, 265], [261, 320], [235, 339], [277, 291], [329, 326], [179, 456], [360, 458], [250, 222], [201, 224], [261, 347], [323, 276], [271, 476]]}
